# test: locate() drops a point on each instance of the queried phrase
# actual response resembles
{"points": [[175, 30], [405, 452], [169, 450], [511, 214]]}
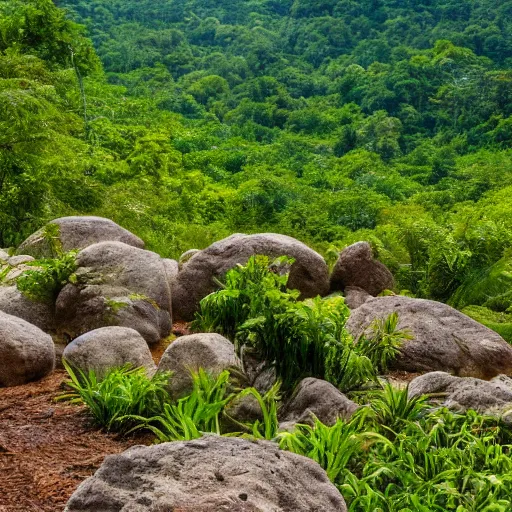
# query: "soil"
{"points": [[48, 448]]}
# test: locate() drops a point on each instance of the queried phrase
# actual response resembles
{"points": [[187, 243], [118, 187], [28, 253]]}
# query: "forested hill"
{"points": [[331, 121]]}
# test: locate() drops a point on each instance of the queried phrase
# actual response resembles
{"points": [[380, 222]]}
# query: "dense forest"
{"points": [[330, 120]]}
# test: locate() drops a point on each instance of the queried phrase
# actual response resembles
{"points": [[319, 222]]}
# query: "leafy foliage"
{"points": [[46, 281], [298, 338], [436, 461], [120, 395]]}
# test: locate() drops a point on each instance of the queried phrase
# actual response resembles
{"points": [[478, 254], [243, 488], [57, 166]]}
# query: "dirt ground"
{"points": [[48, 448]]}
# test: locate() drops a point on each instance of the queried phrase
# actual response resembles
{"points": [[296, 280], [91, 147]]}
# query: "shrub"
{"points": [[299, 338], [44, 283]]}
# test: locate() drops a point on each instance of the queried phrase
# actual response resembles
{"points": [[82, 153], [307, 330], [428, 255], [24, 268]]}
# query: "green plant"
{"points": [[44, 283], [122, 394], [268, 428], [391, 408], [382, 345], [194, 414], [243, 295]]}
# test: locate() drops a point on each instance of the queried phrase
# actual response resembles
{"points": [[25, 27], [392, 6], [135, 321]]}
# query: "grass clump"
{"points": [[122, 394], [392, 456]]}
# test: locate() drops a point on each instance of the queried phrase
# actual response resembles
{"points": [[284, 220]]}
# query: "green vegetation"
{"points": [[394, 454], [46, 281], [117, 397], [328, 121], [298, 338], [434, 462]]}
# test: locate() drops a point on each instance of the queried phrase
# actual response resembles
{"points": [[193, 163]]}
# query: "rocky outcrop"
{"points": [[116, 284], [209, 351], [40, 314], [68, 233], [102, 349], [205, 475], [26, 352], [316, 397], [309, 273], [356, 267], [443, 338], [492, 397]]}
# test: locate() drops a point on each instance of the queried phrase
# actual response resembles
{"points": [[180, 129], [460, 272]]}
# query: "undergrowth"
{"points": [[255, 309]]}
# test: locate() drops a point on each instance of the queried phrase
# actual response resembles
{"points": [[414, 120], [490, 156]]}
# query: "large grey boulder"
{"points": [[316, 397], [26, 352], [68, 233], [357, 267], [205, 475], [40, 314], [443, 338], [492, 397], [209, 351], [116, 284], [309, 273], [105, 348], [355, 297], [171, 271]]}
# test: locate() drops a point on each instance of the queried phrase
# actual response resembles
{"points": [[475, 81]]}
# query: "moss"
{"points": [[115, 305], [145, 298], [498, 322]]}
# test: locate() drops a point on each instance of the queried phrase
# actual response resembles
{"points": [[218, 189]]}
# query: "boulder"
{"points": [[460, 394], [26, 352], [205, 475], [209, 351], [357, 267], [309, 273], [4, 256], [105, 348], [316, 397], [68, 233], [186, 256], [14, 261], [355, 297], [171, 271], [40, 314], [116, 284], [443, 338]]}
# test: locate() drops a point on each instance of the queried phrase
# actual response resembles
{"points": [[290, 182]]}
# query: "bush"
{"points": [[44, 283], [299, 338]]}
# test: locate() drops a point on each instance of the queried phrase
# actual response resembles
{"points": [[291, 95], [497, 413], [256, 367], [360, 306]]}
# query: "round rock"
{"points": [[316, 397], [26, 352], [443, 338], [357, 267], [209, 351], [102, 349], [492, 397], [40, 314], [117, 284], [309, 273], [75, 233], [213, 473]]}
